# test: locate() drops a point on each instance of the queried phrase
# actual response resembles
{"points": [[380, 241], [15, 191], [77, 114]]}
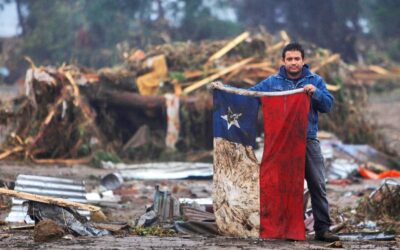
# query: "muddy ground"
{"points": [[340, 197], [384, 110]]}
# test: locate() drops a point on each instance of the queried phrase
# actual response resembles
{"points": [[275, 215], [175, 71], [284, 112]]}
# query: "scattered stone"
{"points": [[47, 230], [336, 244]]}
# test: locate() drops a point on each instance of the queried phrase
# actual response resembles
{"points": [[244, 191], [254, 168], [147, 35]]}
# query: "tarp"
{"points": [[266, 200]]}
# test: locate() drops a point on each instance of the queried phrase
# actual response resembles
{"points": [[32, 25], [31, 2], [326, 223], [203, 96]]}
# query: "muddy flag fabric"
{"points": [[236, 170], [251, 199]]}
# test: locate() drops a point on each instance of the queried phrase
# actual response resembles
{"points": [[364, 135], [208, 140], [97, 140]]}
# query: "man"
{"points": [[293, 74]]}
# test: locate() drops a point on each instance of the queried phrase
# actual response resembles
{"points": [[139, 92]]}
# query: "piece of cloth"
{"points": [[283, 165], [241, 188], [173, 123], [321, 101], [235, 180], [315, 177]]}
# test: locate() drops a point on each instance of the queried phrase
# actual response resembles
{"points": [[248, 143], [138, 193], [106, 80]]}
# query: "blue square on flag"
{"points": [[235, 117]]}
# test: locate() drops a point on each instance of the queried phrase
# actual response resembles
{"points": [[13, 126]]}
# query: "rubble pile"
{"points": [[52, 121], [154, 105], [383, 204]]}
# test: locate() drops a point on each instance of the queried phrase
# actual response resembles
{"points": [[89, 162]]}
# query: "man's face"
{"points": [[293, 62]]}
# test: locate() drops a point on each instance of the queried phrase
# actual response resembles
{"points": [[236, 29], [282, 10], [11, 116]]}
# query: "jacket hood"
{"points": [[305, 71]]}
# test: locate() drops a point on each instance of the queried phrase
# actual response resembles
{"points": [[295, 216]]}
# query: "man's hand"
{"points": [[309, 89], [216, 84]]}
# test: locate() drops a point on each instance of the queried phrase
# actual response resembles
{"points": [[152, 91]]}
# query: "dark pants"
{"points": [[315, 177]]}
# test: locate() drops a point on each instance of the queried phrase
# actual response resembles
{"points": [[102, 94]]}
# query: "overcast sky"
{"points": [[9, 21]]}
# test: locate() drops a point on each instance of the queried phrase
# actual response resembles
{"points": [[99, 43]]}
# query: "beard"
{"points": [[293, 73]]}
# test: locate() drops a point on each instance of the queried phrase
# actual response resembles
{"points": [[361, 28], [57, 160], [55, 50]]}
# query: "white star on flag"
{"points": [[231, 118]]}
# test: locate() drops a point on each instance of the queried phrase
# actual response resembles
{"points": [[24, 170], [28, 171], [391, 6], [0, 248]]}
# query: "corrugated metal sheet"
{"points": [[47, 186], [165, 170]]}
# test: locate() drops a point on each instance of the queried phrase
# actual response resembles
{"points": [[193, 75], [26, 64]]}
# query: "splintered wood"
{"points": [[51, 200], [229, 46], [207, 80], [68, 112]]}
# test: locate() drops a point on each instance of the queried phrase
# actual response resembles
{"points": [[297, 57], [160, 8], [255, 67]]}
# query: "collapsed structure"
{"points": [[154, 105]]}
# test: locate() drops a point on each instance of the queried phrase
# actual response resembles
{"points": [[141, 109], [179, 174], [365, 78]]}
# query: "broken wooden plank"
{"points": [[86, 110], [225, 71], [228, 77], [30, 61], [276, 46], [331, 87], [254, 70], [331, 59], [284, 36], [46, 121], [54, 201], [232, 44], [10, 152], [177, 87], [192, 74], [281, 44], [74, 87], [84, 160], [378, 69], [249, 81]]}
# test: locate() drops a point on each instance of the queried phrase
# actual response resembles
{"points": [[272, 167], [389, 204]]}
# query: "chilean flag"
{"points": [[252, 199]]}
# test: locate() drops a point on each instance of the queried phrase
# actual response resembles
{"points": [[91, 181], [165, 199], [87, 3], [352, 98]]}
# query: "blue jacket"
{"points": [[321, 100]]}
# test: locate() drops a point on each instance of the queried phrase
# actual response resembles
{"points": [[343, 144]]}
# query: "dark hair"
{"points": [[293, 46]]}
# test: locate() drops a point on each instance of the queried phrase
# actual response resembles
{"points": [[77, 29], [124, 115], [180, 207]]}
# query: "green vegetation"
{"points": [[153, 231], [105, 156]]}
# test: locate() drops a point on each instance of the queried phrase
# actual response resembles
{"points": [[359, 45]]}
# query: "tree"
{"points": [[332, 24], [86, 31], [384, 21], [83, 31], [199, 23]]}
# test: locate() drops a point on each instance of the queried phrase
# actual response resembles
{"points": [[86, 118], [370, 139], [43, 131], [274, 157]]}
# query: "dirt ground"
{"points": [[384, 110], [339, 196]]}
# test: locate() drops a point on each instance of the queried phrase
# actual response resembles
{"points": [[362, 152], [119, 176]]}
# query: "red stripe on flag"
{"points": [[282, 167]]}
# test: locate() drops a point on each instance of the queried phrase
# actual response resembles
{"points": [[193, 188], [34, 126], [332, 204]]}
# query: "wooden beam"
{"points": [[331, 87], [232, 44], [48, 200], [225, 71], [47, 120], [327, 61], [84, 160], [285, 36], [281, 44], [10, 152], [51, 200], [276, 46], [378, 69]]}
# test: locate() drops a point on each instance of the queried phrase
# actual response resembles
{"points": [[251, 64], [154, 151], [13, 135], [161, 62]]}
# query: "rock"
{"points": [[47, 230]]}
